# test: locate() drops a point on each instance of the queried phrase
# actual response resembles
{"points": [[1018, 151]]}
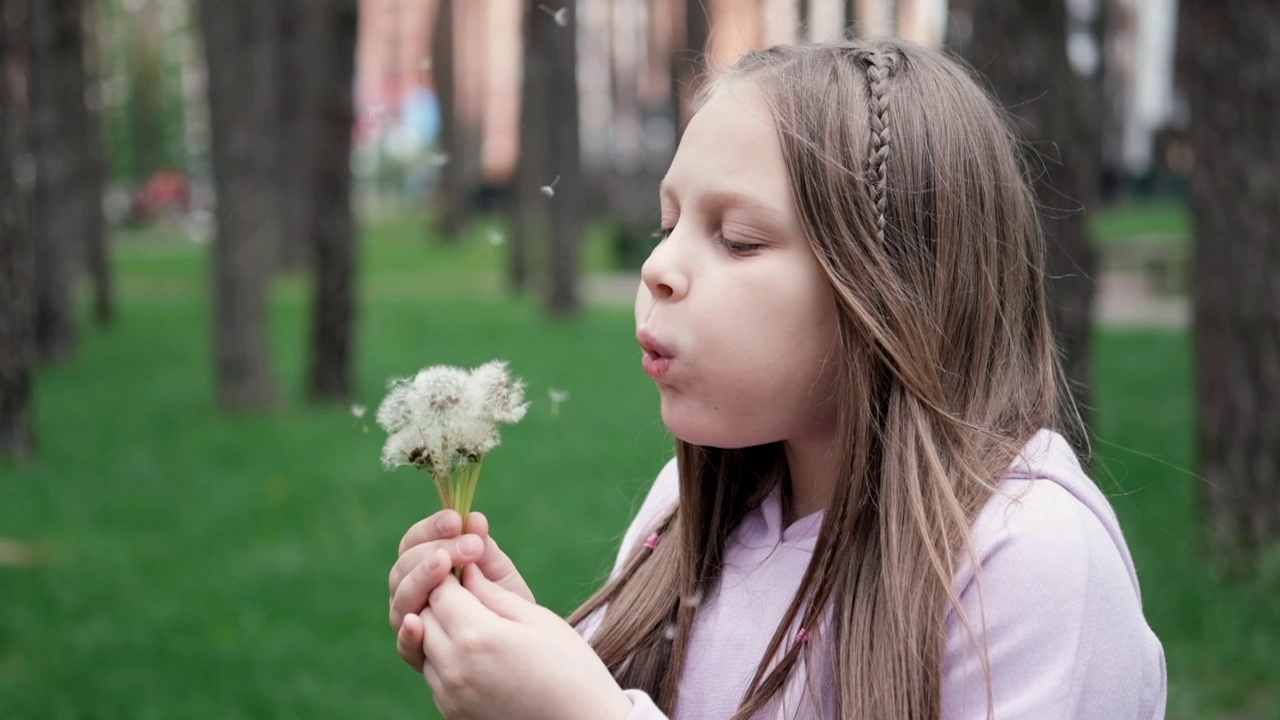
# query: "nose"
{"points": [[662, 273]]}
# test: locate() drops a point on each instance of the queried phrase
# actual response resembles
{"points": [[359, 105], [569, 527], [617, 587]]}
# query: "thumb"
{"points": [[501, 601]]}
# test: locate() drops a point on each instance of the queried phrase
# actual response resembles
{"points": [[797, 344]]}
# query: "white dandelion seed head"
{"points": [[502, 397], [445, 417]]}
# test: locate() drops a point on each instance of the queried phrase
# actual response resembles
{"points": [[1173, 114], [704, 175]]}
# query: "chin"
{"points": [[701, 428]]}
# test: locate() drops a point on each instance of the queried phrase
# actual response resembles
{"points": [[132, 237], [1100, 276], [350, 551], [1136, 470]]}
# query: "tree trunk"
{"points": [[292, 177], [459, 140], [1236, 284], [333, 308], [63, 204], [96, 253], [688, 62], [531, 222], [17, 246], [564, 153], [238, 37], [1021, 48], [145, 51]]}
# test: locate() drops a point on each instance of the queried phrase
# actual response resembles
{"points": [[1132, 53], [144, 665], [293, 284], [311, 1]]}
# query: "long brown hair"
{"points": [[908, 184]]}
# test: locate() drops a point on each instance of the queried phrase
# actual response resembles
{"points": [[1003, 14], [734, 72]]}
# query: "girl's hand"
{"points": [[493, 654], [428, 552]]}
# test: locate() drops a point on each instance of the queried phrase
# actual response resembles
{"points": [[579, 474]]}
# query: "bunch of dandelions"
{"points": [[444, 420]]}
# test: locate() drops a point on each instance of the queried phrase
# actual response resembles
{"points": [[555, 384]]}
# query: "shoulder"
{"points": [[1054, 600], [662, 496]]}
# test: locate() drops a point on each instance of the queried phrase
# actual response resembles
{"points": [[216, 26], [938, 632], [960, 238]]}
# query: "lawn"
{"points": [[210, 566]]}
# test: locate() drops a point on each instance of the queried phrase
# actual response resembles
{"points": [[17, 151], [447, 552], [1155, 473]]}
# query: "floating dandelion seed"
{"points": [[693, 600], [357, 411], [439, 159], [669, 631], [496, 237], [557, 397], [550, 190], [561, 16]]}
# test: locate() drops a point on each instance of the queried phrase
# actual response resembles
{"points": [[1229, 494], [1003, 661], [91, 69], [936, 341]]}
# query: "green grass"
{"points": [[212, 566], [1161, 220]]}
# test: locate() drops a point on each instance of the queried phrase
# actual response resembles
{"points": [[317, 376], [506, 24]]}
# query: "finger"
{"points": [[409, 642], [497, 566], [462, 550], [444, 524], [477, 524], [437, 648], [454, 607], [412, 593], [493, 596]]}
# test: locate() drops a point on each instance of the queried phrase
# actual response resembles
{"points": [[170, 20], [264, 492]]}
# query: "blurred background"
{"points": [[224, 224]]}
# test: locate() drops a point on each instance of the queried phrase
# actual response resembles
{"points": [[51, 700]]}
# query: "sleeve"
{"points": [[1063, 625]]}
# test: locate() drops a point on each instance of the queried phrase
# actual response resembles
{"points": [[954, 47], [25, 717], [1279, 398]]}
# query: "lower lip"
{"points": [[655, 367]]}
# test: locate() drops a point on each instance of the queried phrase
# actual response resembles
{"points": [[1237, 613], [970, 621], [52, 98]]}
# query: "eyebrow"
{"points": [[720, 199]]}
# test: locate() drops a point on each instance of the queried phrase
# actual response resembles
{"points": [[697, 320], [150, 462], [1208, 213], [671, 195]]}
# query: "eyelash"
{"points": [[734, 248]]}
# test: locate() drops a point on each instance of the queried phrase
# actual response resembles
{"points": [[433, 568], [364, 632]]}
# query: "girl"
{"points": [[867, 516]]}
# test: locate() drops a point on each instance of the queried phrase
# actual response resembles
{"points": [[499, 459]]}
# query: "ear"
{"points": [[501, 601]]}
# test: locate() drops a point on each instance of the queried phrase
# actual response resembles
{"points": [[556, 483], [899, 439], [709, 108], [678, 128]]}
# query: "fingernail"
{"points": [[470, 545]]}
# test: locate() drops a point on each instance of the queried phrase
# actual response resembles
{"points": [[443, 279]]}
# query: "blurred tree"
{"points": [[331, 47], [96, 254], [531, 217], [65, 208], [1229, 62], [689, 61], [144, 52], [640, 146], [1022, 48], [459, 141], [292, 179], [17, 246], [239, 41], [556, 37]]}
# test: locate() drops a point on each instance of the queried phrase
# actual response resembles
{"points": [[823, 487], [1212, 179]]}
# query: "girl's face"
{"points": [[736, 317]]}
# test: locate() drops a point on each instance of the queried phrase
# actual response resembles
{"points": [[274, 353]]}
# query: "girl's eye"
{"points": [[737, 248]]}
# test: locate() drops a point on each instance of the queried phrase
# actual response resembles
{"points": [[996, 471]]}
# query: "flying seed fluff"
{"points": [[907, 182]]}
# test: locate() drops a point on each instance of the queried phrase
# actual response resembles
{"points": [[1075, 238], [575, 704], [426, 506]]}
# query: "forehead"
{"points": [[731, 148]]}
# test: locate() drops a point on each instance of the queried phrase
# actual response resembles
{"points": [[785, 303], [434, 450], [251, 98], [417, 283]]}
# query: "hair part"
{"points": [[905, 176]]}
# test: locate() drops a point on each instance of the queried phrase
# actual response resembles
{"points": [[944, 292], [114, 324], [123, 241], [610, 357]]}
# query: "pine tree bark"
{"points": [[292, 178], [564, 155], [17, 245], [689, 62], [1229, 62], [97, 254], [1021, 48], [333, 308], [63, 204], [531, 218], [239, 38]]}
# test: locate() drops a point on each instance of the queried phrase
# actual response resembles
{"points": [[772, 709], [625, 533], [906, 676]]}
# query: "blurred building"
{"points": [[629, 43]]}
